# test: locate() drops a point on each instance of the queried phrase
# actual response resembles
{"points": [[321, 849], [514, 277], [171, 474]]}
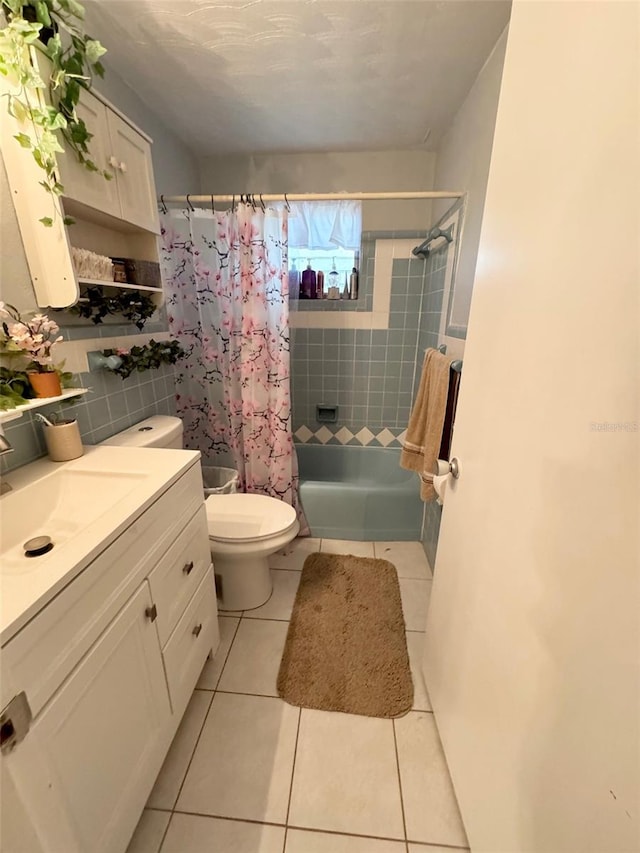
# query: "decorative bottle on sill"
{"points": [[308, 289], [353, 284], [294, 281], [345, 290], [320, 285]]}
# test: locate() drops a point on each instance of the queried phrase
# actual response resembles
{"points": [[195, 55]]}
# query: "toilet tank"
{"points": [[156, 431]]}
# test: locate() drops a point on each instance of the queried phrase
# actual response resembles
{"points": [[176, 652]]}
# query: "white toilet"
{"points": [[243, 529]]}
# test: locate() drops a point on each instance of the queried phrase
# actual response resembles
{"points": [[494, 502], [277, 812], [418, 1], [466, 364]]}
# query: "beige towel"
{"points": [[424, 433]]}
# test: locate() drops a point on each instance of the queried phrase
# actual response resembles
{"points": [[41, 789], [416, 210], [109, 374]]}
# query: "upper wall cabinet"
{"points": [[115, 218], [120, 149]]}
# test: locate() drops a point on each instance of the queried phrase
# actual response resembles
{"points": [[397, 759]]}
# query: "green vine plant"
{"points": [[147, 357], [54, 27], [136, 306]]}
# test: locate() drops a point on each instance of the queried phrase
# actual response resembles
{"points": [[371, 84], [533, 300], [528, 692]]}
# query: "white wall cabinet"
{"points": [[121, 150], [79, 183], [104, 717]]}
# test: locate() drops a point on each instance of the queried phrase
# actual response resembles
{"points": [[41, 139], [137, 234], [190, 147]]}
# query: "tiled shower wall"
{"points": [[369, 374], [113, 404]]}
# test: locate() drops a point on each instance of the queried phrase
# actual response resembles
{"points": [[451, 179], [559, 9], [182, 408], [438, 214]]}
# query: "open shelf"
{"points": [[121, 285], [39, 402]]}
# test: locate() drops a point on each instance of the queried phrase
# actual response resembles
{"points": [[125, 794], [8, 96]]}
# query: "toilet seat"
{"points": [[247, 518]]}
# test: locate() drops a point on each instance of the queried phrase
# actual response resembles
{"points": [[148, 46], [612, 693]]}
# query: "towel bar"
{"points": [[455, 365]]}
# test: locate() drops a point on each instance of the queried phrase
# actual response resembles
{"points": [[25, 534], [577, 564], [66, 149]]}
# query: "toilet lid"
{"points": [[247, 517]]}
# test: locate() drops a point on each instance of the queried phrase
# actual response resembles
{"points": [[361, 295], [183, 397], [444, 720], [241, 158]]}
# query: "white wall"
{"points": [[175, 167], [319, 172], [463, 159]]}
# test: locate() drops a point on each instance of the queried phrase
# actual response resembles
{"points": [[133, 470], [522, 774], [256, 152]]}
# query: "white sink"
{"points": [[58, 505], [82, 506]]}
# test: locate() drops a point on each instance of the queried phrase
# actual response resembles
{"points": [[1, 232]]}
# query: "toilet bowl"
{"points": [[243, 529]]}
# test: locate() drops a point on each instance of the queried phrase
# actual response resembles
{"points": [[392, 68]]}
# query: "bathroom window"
{"points": [[325, 235]]}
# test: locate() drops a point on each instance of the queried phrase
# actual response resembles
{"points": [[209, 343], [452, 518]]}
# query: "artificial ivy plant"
{"points": [[147, 357], [136, 306], [56, 27]]}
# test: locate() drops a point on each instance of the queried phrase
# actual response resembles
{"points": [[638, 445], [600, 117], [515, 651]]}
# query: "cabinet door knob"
{"points": [[113, 162], [197, 629], [151, 613], [122, 167], [188, 567]]}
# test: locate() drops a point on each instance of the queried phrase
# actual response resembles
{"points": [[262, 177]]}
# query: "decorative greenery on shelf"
{"points": [[55, 27], [16, 390], [147, 357], [136, 306]]}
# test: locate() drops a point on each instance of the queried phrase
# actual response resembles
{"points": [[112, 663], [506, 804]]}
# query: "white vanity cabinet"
{"points": [[107, 668], [122, 150]]}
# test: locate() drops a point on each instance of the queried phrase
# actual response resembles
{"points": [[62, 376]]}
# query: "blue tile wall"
{"points": [[369, 374], [113, 404]]}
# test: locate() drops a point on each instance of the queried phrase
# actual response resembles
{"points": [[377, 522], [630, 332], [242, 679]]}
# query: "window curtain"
{"points": [[325, 224], [227, 300]]}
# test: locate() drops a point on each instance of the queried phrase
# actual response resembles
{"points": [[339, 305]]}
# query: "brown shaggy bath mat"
{"points": [[346, 648]]}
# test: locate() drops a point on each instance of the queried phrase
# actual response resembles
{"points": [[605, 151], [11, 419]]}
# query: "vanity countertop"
{"points": [[83, 505]]}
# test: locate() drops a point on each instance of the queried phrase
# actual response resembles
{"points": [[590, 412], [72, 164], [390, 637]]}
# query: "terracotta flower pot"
{"points": [[45, 384]]}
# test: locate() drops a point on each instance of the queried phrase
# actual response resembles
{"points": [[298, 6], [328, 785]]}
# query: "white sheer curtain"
{"points": [[325, 224]]}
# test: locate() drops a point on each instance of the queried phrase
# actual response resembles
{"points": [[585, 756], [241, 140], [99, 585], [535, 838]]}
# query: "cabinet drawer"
{"points": [[178, 574], [43, 654], [195, 635]]}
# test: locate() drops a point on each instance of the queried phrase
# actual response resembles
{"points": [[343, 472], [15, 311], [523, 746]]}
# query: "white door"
{"points": [[532, 644], [134, 171], [85, 768], [92, 188]]}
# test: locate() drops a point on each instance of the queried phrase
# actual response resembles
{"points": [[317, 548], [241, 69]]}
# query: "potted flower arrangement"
{"points": [[33, 338]]}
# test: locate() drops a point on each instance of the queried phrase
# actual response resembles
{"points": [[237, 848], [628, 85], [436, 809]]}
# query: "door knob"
{"points": [[454, 468]]}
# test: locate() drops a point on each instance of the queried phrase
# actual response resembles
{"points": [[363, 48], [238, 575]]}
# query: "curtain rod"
{"points": [[206, 199]]}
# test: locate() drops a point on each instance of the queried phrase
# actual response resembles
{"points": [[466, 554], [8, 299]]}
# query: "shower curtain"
{"points": [[228, 305]]}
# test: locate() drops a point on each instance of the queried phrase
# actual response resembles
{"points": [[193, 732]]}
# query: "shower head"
{"points": [[423, 250]]}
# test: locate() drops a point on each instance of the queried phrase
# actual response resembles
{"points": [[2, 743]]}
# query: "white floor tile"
{"points": [[244, 760], [299, 841], [149, 832], [415, 602], [346, 777], [165, 791], [213, 667], [408, 558], [254, 659], [415, 646], [280, 605], [346, 546], [430, 807], [194, 834], [292, 556]]}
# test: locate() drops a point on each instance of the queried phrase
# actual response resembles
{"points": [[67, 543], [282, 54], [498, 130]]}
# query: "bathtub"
{"points": [[358, 493]]}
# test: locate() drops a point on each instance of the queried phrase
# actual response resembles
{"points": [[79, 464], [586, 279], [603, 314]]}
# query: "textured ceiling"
{"points": [[300, 75]]}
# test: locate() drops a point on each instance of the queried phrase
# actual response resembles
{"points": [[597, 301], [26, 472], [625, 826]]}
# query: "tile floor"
{"points": [[247, 773]]}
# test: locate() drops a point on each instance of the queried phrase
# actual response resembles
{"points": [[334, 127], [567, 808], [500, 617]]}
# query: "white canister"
{"points": [[63, 441]]}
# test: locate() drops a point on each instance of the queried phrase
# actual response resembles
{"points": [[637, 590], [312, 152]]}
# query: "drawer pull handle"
{"points": [[187, 568], [151, 613], [196, 630]]}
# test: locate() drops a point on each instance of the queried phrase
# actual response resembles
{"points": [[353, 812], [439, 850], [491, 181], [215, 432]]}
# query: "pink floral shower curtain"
{"points": [[228, 305]]}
